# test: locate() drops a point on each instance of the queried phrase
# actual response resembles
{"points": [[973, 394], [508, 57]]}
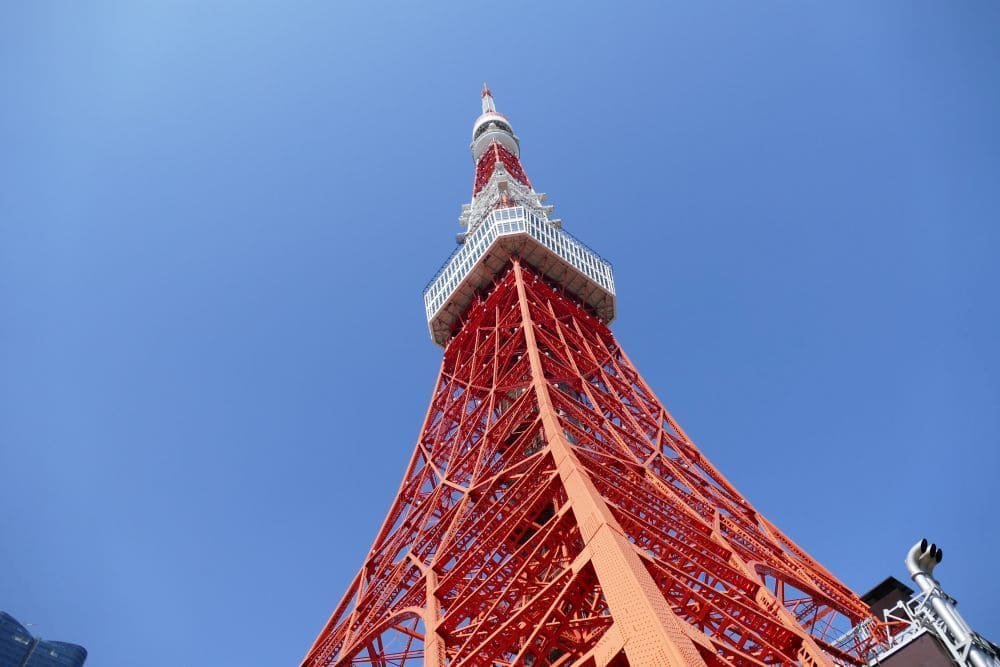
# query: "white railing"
{"points": [[510, 222]]}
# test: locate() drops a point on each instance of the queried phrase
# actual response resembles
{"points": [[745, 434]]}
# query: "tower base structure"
{"points": [[554, 513]]}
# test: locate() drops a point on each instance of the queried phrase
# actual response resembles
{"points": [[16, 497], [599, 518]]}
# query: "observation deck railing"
{"points": [[511, 222]]}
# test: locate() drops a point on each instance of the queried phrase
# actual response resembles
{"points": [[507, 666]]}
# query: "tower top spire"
{"points": [[488, 104], [491, 121]]}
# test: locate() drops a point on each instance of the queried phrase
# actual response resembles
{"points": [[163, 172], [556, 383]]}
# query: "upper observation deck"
{"points": [[504, 233]]}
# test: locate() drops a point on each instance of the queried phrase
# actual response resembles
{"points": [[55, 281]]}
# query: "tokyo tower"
{"points": [[553, 512]]}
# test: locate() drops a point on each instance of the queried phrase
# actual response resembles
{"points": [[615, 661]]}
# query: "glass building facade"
{"points": [[18, 648]]}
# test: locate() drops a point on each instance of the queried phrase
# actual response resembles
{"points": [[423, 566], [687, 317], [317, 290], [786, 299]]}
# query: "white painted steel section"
{"points": [[511, 222]]}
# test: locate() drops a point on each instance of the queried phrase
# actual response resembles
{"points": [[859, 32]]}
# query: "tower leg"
{"points": [[434, 647], [651, 634]]}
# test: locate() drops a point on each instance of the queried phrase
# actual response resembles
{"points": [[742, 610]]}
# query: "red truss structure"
{"points": [[554, 513], [488, 162]]}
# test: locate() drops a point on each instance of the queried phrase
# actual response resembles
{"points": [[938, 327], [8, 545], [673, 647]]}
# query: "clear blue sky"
{"points": [[216, 219]]}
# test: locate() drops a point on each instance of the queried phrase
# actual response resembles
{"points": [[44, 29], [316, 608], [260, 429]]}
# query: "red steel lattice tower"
{"points": [[553, 512]]}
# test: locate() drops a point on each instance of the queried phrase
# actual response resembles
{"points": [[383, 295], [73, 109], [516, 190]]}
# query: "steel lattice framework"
{"points": [[554, 513]]}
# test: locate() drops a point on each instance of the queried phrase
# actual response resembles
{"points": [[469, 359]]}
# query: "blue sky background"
{"points": [[216, 219]]}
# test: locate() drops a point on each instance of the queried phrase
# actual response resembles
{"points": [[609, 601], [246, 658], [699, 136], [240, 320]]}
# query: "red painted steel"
{"points": [[487, 163], [554, 513]]}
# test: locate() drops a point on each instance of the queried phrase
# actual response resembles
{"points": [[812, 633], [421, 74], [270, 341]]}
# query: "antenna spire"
{"points": [[488, 104]]}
